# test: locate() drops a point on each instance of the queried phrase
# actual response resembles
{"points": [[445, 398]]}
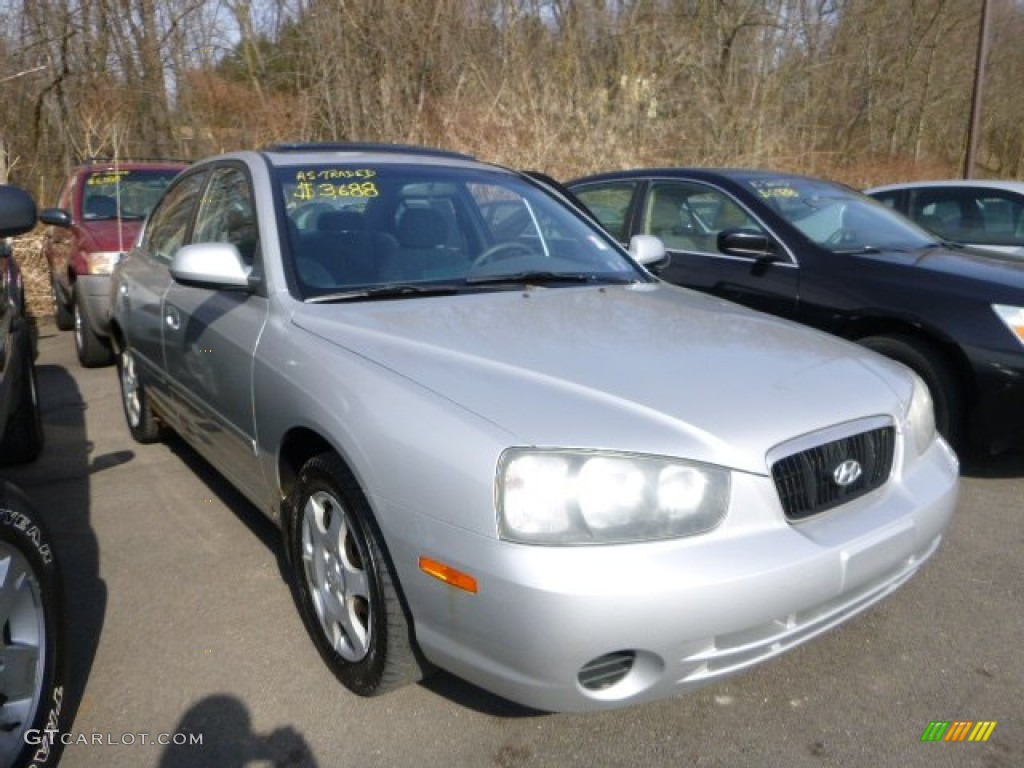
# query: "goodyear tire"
{"points": [[33, 673]]}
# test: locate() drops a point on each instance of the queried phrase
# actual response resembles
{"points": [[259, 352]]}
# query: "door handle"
{"points": [[172, 319]]}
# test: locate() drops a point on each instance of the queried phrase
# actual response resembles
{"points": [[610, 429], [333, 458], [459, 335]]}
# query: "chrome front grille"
{"points": [[834, 473]]}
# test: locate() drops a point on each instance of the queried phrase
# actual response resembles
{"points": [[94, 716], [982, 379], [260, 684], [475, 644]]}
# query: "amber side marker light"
{"points": [[448, 575]]}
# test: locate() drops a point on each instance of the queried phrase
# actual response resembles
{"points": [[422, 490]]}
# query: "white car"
{"points": [[497, 445], [984, 213]]}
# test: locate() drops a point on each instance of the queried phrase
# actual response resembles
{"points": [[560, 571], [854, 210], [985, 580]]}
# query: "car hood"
{"points": [[109, 235], [1004, 270], [646, 368]]}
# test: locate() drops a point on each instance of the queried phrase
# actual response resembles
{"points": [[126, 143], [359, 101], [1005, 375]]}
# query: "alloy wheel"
{"points": [[130, 389], [22, 649], [79, 340], [334, 563]]}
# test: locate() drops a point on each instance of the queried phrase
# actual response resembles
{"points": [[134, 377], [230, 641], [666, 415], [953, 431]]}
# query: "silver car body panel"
{"points": [[421, 396]]}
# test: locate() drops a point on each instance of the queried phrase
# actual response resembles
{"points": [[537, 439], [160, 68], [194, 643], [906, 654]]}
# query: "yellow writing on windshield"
{"points": [[332, 174], [768, 189], [306, 191], [108, 177]]}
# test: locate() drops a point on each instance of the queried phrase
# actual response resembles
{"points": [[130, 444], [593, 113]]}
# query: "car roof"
{"points": [[130, 165], [371, 148], [1009, 186], [287, 155], [733, 174], [284, 155]]}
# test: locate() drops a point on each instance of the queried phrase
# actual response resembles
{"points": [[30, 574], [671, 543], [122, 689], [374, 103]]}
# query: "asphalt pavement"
{"points": [[183, 629]]}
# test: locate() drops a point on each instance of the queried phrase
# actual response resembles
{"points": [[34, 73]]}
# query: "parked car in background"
{"points": [[979, 212], [21, 425], [456, 395], [100, 209], [828, 256], [32, 641]]}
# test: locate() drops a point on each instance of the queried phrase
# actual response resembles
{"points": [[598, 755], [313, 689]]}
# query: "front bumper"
{"points": [[667, 617], [94, 291], [997, 418]]}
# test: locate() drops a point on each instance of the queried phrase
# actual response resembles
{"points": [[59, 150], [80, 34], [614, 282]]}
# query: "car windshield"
{"points": [[379, 230], [838, 218], [119, 193]]}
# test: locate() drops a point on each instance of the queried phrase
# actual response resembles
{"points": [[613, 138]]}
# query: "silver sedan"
{"points": [[495, 444]]}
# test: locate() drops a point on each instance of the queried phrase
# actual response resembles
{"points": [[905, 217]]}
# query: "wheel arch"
{"points": [[116, 335], [946, 347], [299, 445]]}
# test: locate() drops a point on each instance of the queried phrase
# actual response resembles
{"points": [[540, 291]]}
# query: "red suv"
{"points": [[99, 212]]}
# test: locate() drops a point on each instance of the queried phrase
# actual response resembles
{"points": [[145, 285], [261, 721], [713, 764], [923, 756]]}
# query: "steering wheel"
{"points": [[509, 247], [309, 211]]}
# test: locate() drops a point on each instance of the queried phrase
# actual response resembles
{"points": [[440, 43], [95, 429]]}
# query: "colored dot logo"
{"points": [[958, 730]]}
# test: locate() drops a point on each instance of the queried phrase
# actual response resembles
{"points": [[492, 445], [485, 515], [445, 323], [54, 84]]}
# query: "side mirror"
{"points": [[647, 249], [747, 243], [210, 265], [55, 217], [17, 211]]}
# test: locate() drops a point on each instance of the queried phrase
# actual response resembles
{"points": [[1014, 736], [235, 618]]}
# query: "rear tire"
{"points": [[345, 585], [93, 350], [139, 417], [933, 367], [33, 678], [62, 314]]}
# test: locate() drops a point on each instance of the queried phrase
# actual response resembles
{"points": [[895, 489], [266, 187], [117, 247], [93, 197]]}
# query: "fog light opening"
{"points": [[605, 671]]}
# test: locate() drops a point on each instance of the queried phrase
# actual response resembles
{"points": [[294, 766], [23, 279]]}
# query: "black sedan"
{"points": [[21, 427], [825, 255]]}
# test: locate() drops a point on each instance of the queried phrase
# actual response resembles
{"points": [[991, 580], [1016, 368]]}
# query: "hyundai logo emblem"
{"points": [[847, 473]]}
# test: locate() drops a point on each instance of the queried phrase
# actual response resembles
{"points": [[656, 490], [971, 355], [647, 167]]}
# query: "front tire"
{"points": [[928, 363], [93, 350], [138, 415], [33, 676], [345, 585]]}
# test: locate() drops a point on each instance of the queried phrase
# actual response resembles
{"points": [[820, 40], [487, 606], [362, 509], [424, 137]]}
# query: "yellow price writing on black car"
{"points": [[770, 189]]}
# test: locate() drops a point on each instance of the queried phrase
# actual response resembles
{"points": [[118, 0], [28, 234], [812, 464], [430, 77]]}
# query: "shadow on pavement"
{"points": [[1004, 465], [252, 518], [477, 699], [58, 485], [217, 732]]}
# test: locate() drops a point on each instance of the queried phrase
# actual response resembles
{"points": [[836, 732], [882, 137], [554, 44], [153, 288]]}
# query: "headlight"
{"points": [[591, 497], [921, 415], [101, 262], [1013, 317]]}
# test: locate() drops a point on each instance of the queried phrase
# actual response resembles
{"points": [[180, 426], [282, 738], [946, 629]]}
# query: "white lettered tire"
{"points": [[33, 665]]}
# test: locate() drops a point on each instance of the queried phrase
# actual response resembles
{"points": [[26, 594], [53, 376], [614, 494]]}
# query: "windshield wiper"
{"points": [[868, 249], [541, 277], [402, 291]]}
